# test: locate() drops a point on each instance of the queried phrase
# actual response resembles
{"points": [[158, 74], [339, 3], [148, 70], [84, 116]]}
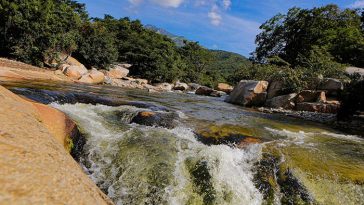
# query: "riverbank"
{"points": [[36, 165]]}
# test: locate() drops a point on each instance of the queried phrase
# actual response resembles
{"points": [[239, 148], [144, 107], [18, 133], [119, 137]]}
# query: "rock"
{"points": [[141, 81], [75, 72], [193, 86], [331, 85], [180, 86], [248, 93], [159, 119], [93, 77], [117, 72], [216, 93], [233, 135], [318, 107], [163, 86], [311, 96], [226, 88], [69, 60], [35, 166], [283, 101], [203, 90], [354, 70], [58, 72], [274, 88]]}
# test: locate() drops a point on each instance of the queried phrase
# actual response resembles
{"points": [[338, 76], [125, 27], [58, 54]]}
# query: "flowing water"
{"points": [[290, 162]]}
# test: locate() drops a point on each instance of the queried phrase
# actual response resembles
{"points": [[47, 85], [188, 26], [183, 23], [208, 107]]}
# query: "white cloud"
{"points": [[358, 4], [215, 17], [226, 4], [163, 3], [168, 3]]}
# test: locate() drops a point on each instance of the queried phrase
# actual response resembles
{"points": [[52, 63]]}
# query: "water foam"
{"points": [[230, 168]]}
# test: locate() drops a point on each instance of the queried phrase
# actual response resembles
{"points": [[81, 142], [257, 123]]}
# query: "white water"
{"points": [[126, 181]]}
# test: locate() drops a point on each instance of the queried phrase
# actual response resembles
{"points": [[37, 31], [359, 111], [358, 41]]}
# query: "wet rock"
{"points": [[224, 87], [203, 90], [117, 72], [159, 119], [284, 101], [180, 86], [274, 89], [249, 93], [226, 134], [216, 93], [93, 77], [202, 180], [318, 107], [311, 96], [277, 183]]}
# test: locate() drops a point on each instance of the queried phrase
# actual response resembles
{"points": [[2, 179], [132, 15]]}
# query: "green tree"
{"points": [[298, 31], [96, 46], [35, 30], [197, 59]]}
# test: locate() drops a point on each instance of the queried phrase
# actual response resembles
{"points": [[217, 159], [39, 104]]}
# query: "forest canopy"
{"points": [[295, 47]]}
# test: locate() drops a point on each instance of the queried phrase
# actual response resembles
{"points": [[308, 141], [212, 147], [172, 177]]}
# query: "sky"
{"points": [[229, 25]]}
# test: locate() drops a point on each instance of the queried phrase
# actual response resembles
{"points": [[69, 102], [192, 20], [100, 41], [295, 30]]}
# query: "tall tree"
{"points": [[298, 31]]}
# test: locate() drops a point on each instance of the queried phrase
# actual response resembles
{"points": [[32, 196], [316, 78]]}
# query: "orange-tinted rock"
{"points": [[224, 87], [249, 93], [318, 107], [93, 77], [35, 167]]}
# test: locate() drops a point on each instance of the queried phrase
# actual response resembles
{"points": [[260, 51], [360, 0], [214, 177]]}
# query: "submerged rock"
{"points": [[226, 134], [277, 183], [159, 119]]}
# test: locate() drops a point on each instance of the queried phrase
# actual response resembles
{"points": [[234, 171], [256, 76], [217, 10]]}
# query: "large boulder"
{"points": [[75, 72], [35, 166], [93, 77], [249, 93], [180, 86], [283, 101], [117, 72], [318, 107], [331, 85], [311, 96], [224, 87], [274, 89], [203, 90]]}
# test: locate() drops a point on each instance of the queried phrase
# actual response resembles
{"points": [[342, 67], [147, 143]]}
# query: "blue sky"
{"points": [[217, 24]]}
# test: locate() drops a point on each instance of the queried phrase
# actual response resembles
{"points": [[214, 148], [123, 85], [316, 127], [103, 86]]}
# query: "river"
{"points": [[289, 161]]}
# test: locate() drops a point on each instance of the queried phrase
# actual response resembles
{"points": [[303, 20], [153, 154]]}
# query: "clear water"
{"points": [[137, 164]]}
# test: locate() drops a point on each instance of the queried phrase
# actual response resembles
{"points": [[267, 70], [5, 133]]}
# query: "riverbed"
{"points": [[290, 161]]}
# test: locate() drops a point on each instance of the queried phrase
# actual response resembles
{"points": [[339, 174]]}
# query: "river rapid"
{"points": [[290, 161]]}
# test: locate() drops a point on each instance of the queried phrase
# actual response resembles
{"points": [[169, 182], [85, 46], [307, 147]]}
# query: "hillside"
{"points": [[228, 62], [177, 39]]}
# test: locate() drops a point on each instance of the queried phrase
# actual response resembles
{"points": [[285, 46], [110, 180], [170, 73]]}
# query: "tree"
{"points": [[297, 32], [197, 60], [35, 30], [96, 46]]}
